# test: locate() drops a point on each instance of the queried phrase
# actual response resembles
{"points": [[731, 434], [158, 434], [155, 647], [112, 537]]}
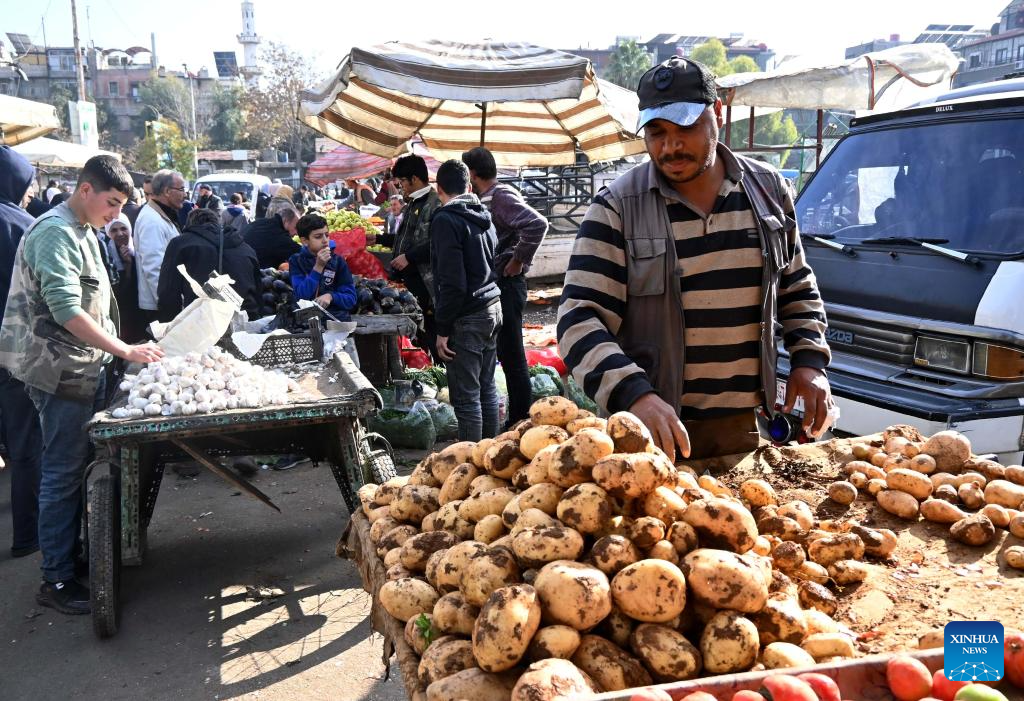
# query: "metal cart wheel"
{"points": [[380, 462], [104, 534]]}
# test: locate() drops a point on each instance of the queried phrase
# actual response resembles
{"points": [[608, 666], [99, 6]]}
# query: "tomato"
{"points": [[780, 687], [747, 695], [652, 695], [699, 696], [909, 679], [824, 686], [1013, 647], [945, 689]]}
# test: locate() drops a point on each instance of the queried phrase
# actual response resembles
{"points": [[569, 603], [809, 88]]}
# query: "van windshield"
{"points": [[225, 188], [962, 182]]}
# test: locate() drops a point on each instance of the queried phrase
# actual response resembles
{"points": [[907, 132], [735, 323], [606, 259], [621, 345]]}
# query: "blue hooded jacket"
{"points": [[336, 279], [16, 175]]}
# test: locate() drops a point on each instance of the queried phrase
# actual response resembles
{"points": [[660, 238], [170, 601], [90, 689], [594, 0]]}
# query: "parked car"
{"points": [[227, 183], [919, 254]]}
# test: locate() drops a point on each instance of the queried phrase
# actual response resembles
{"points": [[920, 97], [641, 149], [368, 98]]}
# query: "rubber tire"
{"points": [[104, 515], [383, 468]]}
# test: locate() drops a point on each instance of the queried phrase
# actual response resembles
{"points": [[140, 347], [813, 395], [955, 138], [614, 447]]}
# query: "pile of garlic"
{"points": [[201, 383]]}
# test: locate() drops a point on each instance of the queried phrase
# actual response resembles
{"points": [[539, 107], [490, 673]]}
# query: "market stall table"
{"points": [[322, 422], [376, 339]]}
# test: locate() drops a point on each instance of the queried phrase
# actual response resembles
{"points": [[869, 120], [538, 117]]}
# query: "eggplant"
{"points": [[281, 286], [269, 299]]}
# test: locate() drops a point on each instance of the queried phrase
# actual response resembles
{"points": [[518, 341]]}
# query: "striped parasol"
{"points": [[344, 162], [529, 105]]}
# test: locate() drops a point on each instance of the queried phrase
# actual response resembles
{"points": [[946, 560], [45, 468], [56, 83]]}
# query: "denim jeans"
{"points": [[471, 374], [19, 428], [511, 353], [66, 451]]}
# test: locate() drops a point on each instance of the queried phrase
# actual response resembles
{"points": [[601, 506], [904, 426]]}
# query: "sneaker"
{"points": [[68, 597], [287, 462], [25, 550]]}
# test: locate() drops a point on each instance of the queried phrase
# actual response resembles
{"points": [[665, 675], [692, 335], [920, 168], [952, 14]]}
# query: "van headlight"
{"points": [[943, 354], [997, 362]]}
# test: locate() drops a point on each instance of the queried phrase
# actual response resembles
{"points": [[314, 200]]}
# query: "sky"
{"points": [[325, 31]]}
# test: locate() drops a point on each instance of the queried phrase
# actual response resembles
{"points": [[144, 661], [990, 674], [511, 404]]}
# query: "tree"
{"points": [[712, 55], [272, 104], [775, 129], [167, 98], [165, 147], [226, 125], [628, 62], [743, 64]]}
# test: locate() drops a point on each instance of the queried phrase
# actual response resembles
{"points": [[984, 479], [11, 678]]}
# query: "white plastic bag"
{"points": [[199, 325]]}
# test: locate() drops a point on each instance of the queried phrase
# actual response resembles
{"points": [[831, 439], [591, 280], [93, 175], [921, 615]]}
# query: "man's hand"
{"points": [[400, 263], [513, 268], [443, 351], [143, 353], [323, 257], [812, 385], [324, 300], [666, 428]]}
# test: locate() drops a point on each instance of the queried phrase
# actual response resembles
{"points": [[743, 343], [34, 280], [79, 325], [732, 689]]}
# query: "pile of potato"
{"points": [[939, 480], [569, 555]]}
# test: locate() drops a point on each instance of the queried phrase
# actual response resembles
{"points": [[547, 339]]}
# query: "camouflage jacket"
{"points": [[34, 346], [413, 239]]}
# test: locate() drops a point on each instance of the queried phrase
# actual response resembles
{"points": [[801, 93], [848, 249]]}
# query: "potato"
{"points": [[652, 591], [407, 598], [782, 528], [585, 507], [431, 572], [812, 572], [816, 596], [533, 518], [843, 492], [473, 684], [911, 482], [493, 501], [758, 492], [633, 475], [841, 546], [488, 529], [503, 458], [894, 462], [970, 478], [553, 679], [397, 572], [823, 645], [395, 537], [931, 640], [535, 547], [449, 458], [898, 504], [577, 424], [391, 557], [505, 627], [799, 512], [818, 622], [974, 530], [970, 495], [613, 552], [414, 502], [663, 550], [939, 511], [543, 496], [553, 411], [616, 627], [456, 486], [573, 460], [762, 545], [946, 492], [722, 523], [862, 451], [724, 580], [879, 459], [665, 652], [381, 527], [377, 513], [539, 437], [1005, 493], [1016, 526], [555, 641], [788, 556], [1014, 556], [876, 485], [1015, 474], [573, 594], [486, 572], [611, 667], [456, 559], [999, 516], [418, 549], [445, 656], [629, 434], [422, 476], [950, 450], [785, 655], [989, 469], [729, 643], [713, 485], [844, 572], [665, 505], [646, 531], [414, 632], [781, 620], [387, 491]]}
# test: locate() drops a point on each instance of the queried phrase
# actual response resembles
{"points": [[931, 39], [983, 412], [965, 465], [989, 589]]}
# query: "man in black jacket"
{"points": [[208, 200], [271, 237], [466, 295], [204, 247]]}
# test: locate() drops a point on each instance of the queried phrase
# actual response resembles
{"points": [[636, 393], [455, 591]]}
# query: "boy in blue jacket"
{"points": [[319, 275]]}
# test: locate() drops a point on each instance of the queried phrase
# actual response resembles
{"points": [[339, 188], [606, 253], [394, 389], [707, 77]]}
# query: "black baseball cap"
{"points": [[678, 90]]}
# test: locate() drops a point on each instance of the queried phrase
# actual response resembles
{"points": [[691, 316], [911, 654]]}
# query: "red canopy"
{"points": [[344, 163]]}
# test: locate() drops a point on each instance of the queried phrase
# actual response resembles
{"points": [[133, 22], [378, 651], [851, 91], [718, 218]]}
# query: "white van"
{"points": [[225, 184]]}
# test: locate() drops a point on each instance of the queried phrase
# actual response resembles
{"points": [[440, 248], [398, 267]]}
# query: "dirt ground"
{"points": [[233, 601]]}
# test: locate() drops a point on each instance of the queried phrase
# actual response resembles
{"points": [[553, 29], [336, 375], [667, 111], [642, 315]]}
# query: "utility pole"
{"points": [[195, 132], [78, 53]]}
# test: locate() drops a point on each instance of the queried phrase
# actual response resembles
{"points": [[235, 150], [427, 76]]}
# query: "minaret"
{"points": [[250, 42]]}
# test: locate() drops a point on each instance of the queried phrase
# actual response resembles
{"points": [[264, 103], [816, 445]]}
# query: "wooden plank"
{"points": [[230, 477]]}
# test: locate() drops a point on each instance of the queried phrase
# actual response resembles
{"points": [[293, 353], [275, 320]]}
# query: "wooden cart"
{"points": [[323, 423]]}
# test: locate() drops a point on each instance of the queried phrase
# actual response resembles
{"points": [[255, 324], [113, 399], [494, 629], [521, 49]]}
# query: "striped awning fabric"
{"points": [[344, 162], [23, 120], [532, 105]]}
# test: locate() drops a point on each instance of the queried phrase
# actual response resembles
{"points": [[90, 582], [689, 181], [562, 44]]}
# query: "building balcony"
{"points": [[985, 74]]}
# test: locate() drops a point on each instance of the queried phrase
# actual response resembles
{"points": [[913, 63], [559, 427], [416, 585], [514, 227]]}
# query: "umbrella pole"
{"points": [[483, 123]]}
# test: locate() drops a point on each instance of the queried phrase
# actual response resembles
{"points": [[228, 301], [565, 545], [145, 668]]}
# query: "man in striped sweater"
{"points": [[682, 271]]}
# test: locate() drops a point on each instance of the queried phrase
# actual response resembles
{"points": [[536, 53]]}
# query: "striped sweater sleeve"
{"points": [[591, 310], [800, 309]]}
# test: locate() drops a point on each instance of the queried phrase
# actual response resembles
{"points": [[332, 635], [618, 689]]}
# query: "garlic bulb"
{"points": [[120, 413], [152, 410]]}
